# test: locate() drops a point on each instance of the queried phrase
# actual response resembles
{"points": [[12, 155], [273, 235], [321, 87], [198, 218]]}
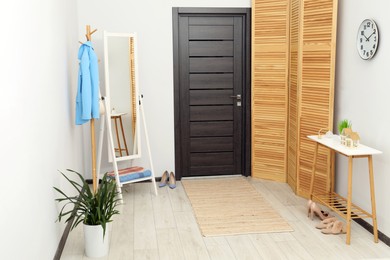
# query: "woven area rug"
{"points": [[231, 206]]}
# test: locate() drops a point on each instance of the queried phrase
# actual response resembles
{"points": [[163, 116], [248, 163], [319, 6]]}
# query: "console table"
{"points": [[344, 206]]}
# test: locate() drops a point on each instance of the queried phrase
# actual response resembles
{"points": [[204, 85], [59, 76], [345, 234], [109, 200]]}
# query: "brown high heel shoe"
{"points": [[336, 229], [315, 210]]}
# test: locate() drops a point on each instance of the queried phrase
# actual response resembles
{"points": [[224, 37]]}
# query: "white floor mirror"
{"points": [[121, 87], [123, 109]]}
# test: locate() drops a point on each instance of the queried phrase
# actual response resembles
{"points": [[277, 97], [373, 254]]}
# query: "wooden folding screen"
{"points": [[293, 95], [293, 63], [311, 91], [269, 88]]}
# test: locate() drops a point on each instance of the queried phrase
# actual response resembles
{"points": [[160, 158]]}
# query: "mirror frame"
{"points": [[137, 133]]}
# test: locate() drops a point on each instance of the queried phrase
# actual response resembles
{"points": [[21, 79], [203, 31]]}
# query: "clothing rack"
{"points": [[88, 35]]}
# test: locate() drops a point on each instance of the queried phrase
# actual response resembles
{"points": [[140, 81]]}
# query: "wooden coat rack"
{"points": [[92, 124]]}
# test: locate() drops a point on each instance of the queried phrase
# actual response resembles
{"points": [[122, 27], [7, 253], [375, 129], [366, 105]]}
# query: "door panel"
{"points": [[211, 113], [211, 66], [211, 144], [210, 20], [211, 48], [210, 32], [222, 128], [211, 81], [211, 170], [211, 97], [211, 159]]}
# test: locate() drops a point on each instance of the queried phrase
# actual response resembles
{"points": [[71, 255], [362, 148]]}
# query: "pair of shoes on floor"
{"points": [[314, 210], [168, 178], [331, 226]]}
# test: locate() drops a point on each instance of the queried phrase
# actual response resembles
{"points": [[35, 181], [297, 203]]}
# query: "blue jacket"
{"points": [[87, 99]]}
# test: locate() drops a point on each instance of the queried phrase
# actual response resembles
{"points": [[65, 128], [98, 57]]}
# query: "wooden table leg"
{"points": [[332, 158], [314, 171], [123, 136], [373, 205], [117, 137], [349, 202]]}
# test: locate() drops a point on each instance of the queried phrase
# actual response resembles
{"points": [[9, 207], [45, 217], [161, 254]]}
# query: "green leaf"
{"points": [[89, 208], [345, 123]]}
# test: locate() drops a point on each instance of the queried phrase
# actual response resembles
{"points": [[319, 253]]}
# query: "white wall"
{"points": [[39, 75], [152, 21], [362, 96], [38, 136], [361, 93]]}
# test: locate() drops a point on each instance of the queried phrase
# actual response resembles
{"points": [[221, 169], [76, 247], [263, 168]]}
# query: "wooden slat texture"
{"points": [[316, 89], [293, 63], [211, 81], [294, 101], [270, 48], [210, 48]]}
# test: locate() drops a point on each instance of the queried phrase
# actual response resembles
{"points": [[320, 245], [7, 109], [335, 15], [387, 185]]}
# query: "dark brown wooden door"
{"points": [[211, 62]]}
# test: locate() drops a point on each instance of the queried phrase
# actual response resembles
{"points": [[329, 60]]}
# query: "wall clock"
{"points": [[367, 39]]}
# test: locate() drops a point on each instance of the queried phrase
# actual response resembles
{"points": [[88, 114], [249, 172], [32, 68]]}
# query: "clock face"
{"points": [[367, 39]]}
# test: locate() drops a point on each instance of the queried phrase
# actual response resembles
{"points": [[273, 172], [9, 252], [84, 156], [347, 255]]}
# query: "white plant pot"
{"points": [[95, 245]]}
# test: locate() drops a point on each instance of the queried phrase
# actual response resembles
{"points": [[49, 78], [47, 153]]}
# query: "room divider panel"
{"points": [[293, 66], [270, 51], [311, 90]]}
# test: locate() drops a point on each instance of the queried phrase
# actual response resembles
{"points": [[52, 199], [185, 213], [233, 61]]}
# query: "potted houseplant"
{"points": [[343, 126], [94, 209]]}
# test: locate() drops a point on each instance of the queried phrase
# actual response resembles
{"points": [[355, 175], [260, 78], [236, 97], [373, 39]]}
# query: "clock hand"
{"points": [[370, 36], [365, 37]]}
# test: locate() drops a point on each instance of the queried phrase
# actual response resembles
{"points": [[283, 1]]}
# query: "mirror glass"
{"points": [[122, 93]]}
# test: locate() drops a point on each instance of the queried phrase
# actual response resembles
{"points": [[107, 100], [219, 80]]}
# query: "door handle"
{"points": [[238, 97]]}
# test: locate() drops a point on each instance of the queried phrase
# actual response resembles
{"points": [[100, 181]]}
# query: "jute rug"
{"points": [[231, 206]]}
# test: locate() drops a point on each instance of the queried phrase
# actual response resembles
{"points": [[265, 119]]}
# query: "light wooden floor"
{"points": [[164, 227]]}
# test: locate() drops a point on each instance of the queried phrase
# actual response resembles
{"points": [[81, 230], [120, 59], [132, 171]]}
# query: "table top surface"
{"points": [[117, 114], [334, 143]]}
